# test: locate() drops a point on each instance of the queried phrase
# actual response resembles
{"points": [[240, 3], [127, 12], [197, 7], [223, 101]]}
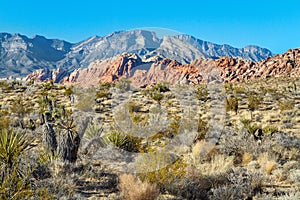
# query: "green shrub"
{"points": [[253, 102], [286, 105], [123, 84], [68, 91], [232, 104], [157, 96], [103, 90], [123, 141], [160, 168], [161, 87], [201, 93], [270, 129]]}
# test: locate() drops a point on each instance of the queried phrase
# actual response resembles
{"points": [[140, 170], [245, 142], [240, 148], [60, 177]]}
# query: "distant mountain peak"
{"points": [[20, 55]]}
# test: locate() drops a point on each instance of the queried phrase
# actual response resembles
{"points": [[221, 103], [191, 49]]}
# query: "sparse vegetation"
{"points": [[52, 136]]}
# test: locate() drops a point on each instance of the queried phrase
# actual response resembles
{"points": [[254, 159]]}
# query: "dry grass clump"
{"points": [[267, 162], [203, 150], [133, 189], [247, 157], [220, 164]]}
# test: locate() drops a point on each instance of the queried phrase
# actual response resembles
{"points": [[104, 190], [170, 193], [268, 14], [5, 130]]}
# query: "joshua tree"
{"points": [[60, 133]]}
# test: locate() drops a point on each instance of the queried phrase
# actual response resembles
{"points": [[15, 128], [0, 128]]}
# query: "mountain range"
{"points": [[20, 55], [142, 73]]}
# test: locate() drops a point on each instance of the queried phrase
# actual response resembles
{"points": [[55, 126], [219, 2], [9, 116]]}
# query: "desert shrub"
{"points": [[267, 161], [270, 129], [123, 141], [228, 192], [69, 91], [85, 102], [103, 90], [232, 104], [133, 189], [48, 85], [157, 96], [174, 126], [133, 107], [247, 157], [254, 101], [239, 89], [194, 185], [219, 164], [201, 93], [161, 87], [243, 184], [160, 168], [202, 129], [236, 143], [4, 120], [92, 131], [285, 105], [19, 107], [123, 84]]}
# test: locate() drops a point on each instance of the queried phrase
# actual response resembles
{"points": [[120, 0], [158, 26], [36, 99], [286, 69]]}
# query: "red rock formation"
{"points": [[199, 71]]}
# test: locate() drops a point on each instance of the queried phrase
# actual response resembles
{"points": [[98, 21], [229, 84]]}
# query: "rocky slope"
{"points": [[163, 69], [20, 55]]}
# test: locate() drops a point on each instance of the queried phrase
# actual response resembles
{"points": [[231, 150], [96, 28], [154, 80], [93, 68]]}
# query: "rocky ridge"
{"points": [[163, 69]]}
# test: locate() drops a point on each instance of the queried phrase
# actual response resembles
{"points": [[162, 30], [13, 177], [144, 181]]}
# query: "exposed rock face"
{"points": [[287, 64], [157, 70], [45, 74]]}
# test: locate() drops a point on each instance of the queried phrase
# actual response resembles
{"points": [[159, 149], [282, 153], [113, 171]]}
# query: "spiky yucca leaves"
{"points": [[69, 141], [124, 141], [15, 176], [93, 131], [12, 146]]}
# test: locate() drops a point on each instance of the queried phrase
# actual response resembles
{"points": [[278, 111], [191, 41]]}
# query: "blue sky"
{"points": [[271, 24]]}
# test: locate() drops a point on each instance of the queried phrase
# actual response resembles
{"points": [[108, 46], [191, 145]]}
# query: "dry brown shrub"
{"points": [[133, 189]]}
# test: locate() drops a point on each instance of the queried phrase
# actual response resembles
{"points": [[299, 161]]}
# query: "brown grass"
{"points": [[133, 189], [247, 157]]}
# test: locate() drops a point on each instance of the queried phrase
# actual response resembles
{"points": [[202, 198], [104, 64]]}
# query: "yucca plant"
{"points": [[69, 141], [15, 182], [15, 186], [12, 146], [93, 131], [123, 141]]}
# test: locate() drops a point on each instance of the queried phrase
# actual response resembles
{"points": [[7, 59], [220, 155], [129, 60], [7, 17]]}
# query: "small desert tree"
{"points": [[253, 102]]}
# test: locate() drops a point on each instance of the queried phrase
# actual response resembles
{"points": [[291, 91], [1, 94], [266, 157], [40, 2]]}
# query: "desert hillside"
{"points": [[166, 141]]}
